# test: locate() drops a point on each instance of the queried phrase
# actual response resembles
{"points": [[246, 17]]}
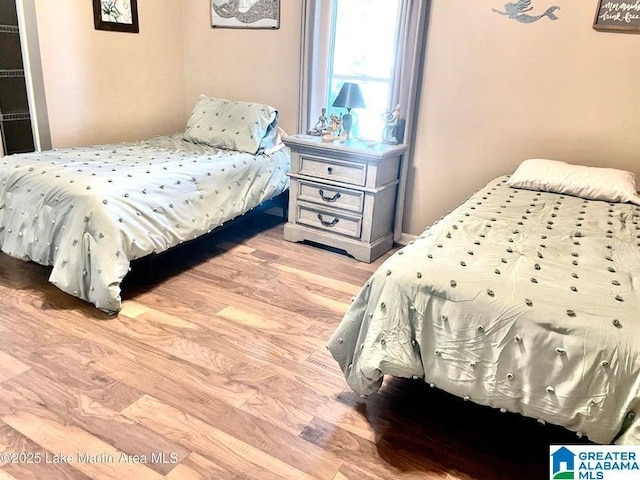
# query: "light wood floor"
{"points": [[220, 363]]}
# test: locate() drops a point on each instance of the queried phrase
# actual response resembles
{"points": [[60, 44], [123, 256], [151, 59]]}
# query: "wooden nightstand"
{"points": [[343, 195]]}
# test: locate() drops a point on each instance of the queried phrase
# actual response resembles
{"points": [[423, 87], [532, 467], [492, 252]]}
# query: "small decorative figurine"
{"points": [[332, 132], [336, 123], [390, 132], [321, 126]]}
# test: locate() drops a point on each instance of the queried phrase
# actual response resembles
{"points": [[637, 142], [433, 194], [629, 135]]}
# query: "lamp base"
{"points": [[347, 123]]}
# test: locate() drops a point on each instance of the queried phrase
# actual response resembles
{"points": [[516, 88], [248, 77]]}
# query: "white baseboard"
{"points": [[405, 238]]}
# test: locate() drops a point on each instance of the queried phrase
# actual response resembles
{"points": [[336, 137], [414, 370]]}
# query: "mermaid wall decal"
{"points": [[518, 11]]}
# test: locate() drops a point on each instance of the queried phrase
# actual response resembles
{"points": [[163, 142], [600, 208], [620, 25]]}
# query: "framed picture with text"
{"points": [[617, 16], [116, 15]]}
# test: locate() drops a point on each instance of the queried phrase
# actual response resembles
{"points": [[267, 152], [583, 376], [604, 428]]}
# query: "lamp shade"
{"points": [[350, 96]]}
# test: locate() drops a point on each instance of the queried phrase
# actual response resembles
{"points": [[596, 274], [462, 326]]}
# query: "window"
{"points": [[377, 43], [363, 48]]}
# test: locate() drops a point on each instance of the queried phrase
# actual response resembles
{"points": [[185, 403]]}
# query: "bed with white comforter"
{"points": [[526, 301]]}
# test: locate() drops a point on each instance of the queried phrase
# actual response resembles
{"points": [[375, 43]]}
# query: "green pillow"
{"points": [[229, 124]]}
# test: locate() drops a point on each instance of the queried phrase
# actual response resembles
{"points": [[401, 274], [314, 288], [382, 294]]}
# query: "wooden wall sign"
{"points": [[618, 16]]}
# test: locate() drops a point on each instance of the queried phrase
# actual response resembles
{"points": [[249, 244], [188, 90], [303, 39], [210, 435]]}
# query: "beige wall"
{"points": [[496, 92], [110, 86], [244, 64]]}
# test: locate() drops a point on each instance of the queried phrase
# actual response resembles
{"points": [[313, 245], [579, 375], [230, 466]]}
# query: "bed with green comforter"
{"points": [[522, 300], [88, 212]]}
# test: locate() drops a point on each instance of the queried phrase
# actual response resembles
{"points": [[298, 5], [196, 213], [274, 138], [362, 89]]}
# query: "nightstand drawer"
{"points": [[335, 197], [354, 173], [329, 221]]}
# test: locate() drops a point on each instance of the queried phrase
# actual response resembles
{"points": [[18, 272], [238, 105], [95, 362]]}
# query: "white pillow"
{"points": [[592, 183]]}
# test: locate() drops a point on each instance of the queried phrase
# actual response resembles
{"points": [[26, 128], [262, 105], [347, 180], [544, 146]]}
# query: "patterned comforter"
{"points": [[89, 211], [520, 300]]}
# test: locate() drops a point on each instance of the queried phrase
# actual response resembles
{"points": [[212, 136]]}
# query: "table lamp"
{"points": [[350, 96]]}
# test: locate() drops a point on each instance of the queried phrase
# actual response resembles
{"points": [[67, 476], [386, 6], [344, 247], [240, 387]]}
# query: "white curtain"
{"points": [[314, 60], [407, 75], [407, 81]]}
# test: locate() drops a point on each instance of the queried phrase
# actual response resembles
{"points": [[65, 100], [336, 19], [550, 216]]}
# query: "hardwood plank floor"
{"points": [[216, 369]]}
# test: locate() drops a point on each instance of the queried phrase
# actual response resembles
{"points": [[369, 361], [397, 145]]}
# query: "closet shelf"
{"points": [[9, 29], [12, 73], [8, 117]]}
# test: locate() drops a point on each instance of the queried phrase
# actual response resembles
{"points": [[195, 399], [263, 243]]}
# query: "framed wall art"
{"points": [[245, 13], [116, 15], [617, 16]]}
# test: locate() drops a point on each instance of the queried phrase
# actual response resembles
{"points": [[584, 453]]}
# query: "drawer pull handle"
{"points": [[329, 170], [329, 199], [328, 224]]}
